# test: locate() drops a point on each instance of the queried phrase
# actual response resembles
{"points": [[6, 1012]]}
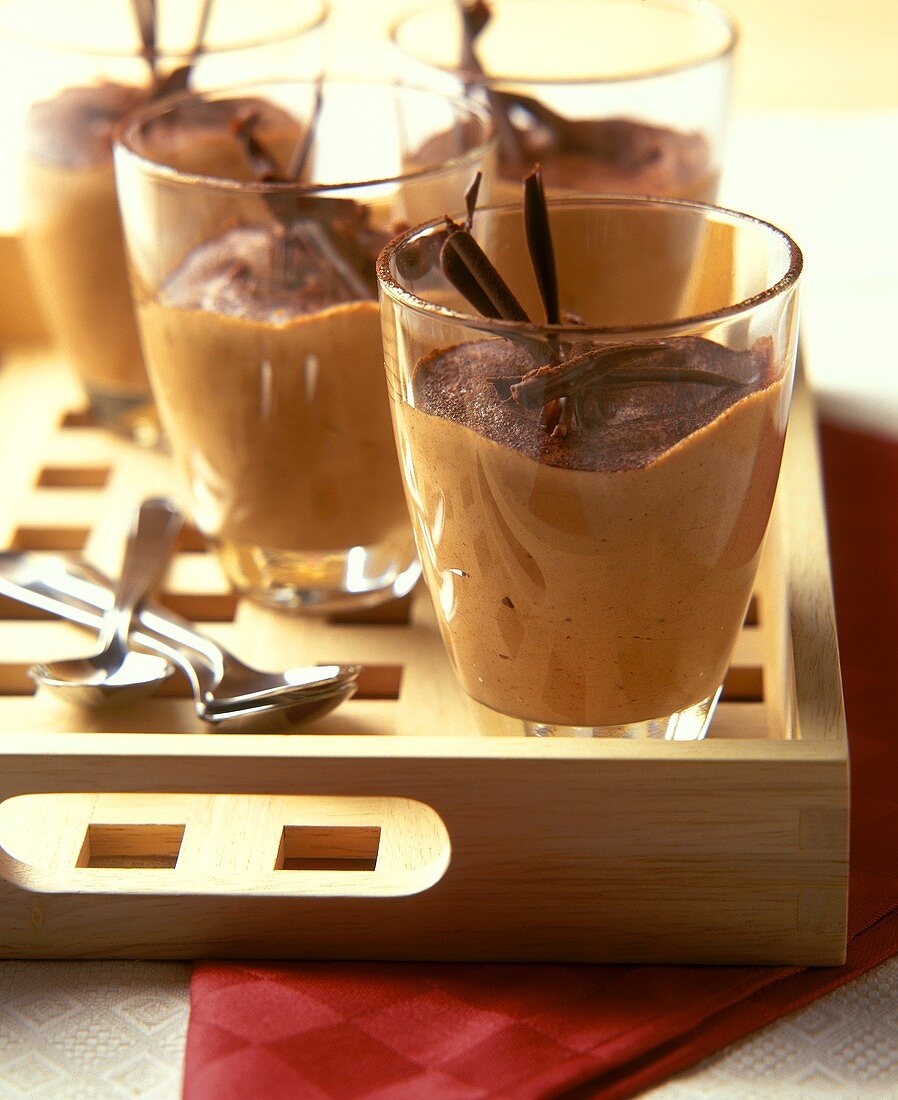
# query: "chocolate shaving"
{"points": [[539, 244], [621, 364], [420, 257], [178, 80], [469, 270], [467, 267], [567, 388], [572, 392], [459, 276], [201, 27], [145, 16], [474, 17], [307, 140], [335, 230], [471, 200], [457, 271], [310, 242], [579, 373], [554, 417], [611, 140], [259, 159]]}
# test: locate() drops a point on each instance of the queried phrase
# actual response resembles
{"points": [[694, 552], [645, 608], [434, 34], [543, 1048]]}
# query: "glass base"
{"points": [[322, 583], [690, 724], [133, 416]]}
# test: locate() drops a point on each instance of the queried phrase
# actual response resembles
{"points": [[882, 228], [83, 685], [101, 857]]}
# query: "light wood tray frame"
{"points": [[407, 824]]}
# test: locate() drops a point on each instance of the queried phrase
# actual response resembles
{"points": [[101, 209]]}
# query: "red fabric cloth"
{"points": [[381, 1031]]}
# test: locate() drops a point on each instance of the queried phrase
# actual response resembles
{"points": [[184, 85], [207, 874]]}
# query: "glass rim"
{"points": [[398, 293], [295, 30], [700, 8], [142, 115]]}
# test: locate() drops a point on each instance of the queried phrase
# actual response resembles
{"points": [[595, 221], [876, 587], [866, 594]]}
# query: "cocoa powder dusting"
{"points": [[639, 422], [264, 274]]}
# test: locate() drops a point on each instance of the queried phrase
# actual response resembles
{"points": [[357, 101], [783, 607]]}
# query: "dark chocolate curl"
{"points": [[474, 17], [622, 365], [145, 16], [304, 145], [457, 274], [474, 260], [178, 80], [539, 244], [257, 156], [471, 200]]}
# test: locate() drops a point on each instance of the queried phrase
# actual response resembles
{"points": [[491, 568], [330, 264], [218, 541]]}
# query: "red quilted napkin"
{"points": [[411, 1031]]}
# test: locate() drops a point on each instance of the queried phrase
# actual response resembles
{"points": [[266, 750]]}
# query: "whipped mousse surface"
{"points": [[270, 383], [640, 420]]}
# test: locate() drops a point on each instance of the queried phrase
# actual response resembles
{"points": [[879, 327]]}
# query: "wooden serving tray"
{"points": [[407, 824]]}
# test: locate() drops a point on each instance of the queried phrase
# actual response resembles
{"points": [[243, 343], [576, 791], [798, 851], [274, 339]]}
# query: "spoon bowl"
{"points": [[118, 674], [86, 682], [282, 715]]}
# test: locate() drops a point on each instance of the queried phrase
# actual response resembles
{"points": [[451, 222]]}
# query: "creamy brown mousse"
{"points": [[74, 235], [601, 577], [268, 367], [604, 156], [618, 156]]}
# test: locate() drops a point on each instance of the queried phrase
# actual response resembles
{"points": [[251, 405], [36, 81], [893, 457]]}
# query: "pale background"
{"points": [[814, 146]]}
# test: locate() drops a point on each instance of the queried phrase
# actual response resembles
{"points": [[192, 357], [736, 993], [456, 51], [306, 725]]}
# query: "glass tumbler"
{"points": [[79, 68], [590, 498], [609, 96], [256, 298]]}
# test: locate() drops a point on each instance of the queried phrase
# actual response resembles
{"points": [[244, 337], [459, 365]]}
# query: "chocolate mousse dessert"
{"points": [[592, 541], [74, 239], [619, 156], [73, 228], [265, 352]]}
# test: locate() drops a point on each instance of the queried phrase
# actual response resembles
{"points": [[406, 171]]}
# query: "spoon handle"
{"points": [[147, 551]]}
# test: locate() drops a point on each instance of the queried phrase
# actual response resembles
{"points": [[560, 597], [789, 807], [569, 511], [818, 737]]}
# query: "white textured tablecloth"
{"points": [[100, 1031], [115, 1030], [92, 1030]]}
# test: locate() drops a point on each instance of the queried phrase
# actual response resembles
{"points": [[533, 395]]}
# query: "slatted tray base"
{"points": [[410, 822]]}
